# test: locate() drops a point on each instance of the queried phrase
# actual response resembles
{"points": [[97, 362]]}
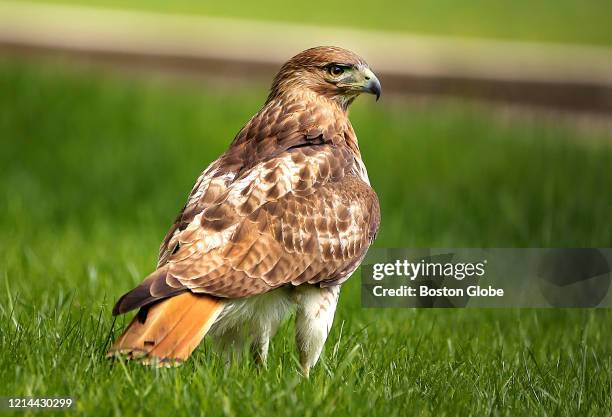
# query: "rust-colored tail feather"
{"points": [[172, 329]]}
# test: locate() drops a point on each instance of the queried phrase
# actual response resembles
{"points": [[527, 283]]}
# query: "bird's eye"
{"points": [[335, 70]]}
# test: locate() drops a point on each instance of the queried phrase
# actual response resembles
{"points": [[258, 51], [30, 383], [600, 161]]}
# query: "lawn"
{"points": [[95, 166], [541, 20]]}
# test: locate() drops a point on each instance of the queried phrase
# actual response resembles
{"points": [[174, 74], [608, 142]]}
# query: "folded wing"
{"points": [[304, 216]]}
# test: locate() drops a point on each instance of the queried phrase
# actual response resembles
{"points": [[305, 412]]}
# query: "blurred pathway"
{"points": [[552, 75]]}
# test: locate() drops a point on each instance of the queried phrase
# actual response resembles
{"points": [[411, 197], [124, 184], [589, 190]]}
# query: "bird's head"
{"points": [[329, 71]]}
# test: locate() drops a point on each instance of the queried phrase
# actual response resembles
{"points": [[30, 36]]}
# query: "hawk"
{"points": [[278, 222]]}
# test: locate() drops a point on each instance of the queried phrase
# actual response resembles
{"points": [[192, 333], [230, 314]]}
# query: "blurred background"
{"points": [[494, 129]]}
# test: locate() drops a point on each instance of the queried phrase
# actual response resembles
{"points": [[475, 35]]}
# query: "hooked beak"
{"points": [[371, 84]]}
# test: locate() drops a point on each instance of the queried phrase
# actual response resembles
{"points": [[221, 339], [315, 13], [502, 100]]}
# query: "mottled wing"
{"points": [[279, 126], [304, 216]]}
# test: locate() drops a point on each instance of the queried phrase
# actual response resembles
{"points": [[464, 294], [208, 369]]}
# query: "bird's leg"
{"points": [[266, 312], [260, 345], [315, 314]]}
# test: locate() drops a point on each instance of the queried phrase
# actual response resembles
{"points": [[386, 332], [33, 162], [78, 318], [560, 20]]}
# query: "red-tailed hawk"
{"points": [[281, 219]]}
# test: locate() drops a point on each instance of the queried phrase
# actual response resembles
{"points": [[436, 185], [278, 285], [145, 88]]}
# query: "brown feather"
{"points": [[172, 329]]}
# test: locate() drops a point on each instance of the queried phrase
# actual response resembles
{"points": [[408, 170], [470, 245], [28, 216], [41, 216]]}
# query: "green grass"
{"points": [[541, 20], [94, 168]]}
